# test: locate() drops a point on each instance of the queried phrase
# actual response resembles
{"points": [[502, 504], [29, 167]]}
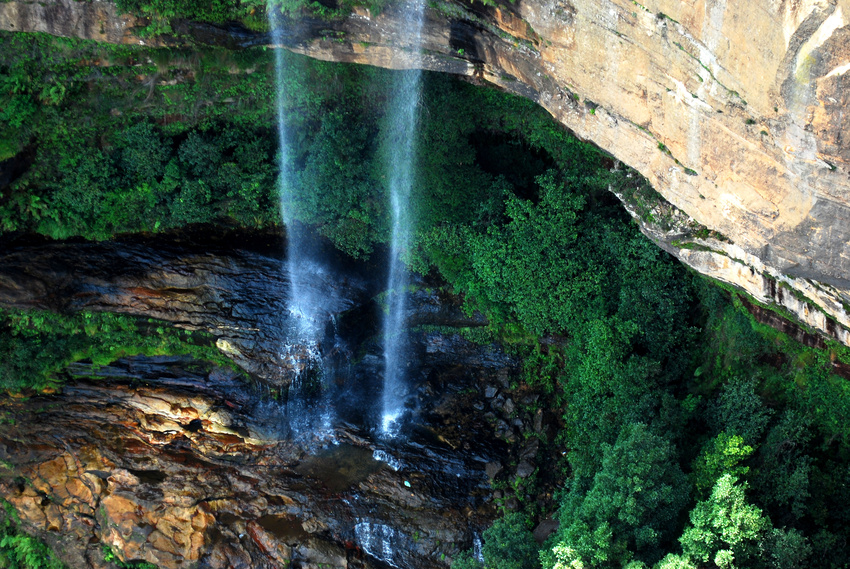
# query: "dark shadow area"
{"points": [[503, 155]]}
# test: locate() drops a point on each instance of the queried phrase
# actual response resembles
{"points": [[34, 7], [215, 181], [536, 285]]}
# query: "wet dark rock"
{"points": [[498, 403], [525, 469], [435, 307], [529, 449], [124, 471], [538, 421], [544, 529], [493, 469], [233, 291], [174, 462], [504, 379]]}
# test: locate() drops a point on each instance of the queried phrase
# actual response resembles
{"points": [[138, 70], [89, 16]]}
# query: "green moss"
{"points": [[35, 346], [696, 247]]}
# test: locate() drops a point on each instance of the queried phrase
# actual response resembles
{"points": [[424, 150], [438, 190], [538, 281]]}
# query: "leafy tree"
{"points": [[740, 411], [721, 455], [144, 154], [632, 505], [337, 189], [200, 155], [465, 560], [786, 549], [508, 544], [784, 466], [562, 557], [605, 387], [725, 529], [673, 561]]}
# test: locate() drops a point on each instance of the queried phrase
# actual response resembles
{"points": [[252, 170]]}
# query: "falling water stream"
{"points": [[307, 308], [403, 122]]}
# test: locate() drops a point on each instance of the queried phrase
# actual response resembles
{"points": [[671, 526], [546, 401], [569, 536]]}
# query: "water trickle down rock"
{"points": [[378, 541]]}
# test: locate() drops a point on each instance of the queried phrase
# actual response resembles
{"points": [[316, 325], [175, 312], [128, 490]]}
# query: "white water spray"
{"points": [[378, 540], [388, 459], [308, 300], [403, 124], [477, 547], [302, 268]]}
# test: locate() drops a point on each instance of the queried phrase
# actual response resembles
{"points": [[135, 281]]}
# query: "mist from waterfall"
{"points": [[306, 271], [403, 122]]}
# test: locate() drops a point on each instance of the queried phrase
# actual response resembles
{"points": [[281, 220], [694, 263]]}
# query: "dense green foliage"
{"points": [[35, 346], [692, 435], [19, 550], [146, 140], [250, 13]]}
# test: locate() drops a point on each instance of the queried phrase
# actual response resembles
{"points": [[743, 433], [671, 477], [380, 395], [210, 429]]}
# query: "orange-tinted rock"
{"points": [[268, 544], [189, 502]]}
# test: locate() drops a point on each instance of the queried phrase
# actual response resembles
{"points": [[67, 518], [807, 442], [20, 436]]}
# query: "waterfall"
{"points": [[401, 159], [477, 547], [378, 540], [307, 305], [303, 301]]}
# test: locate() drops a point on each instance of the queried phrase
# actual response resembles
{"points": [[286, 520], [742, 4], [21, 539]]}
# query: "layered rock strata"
{"points": [[171, 461], [238, 294], [180, 465]]}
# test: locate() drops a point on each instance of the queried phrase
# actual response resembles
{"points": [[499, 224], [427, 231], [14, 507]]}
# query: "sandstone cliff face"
{"points": [[734, 110]]}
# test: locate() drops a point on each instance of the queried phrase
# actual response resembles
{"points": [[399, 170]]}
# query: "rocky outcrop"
{"points": [[180, 464], [172, 461], [818, 307], [95, 20], [238, 292], [176, 468], [735, 111]]}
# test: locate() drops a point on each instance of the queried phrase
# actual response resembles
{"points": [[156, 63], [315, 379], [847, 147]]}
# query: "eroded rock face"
{"points": [[170, 461], [97, 20], [734, 110], [181, 465], [238, 292]]}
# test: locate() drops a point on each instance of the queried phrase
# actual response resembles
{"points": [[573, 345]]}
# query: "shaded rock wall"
{"points": [[237, 294], [734, 110], [168, 460]]}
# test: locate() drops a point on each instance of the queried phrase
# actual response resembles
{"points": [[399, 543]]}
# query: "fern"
{"points": [[21, 551]]}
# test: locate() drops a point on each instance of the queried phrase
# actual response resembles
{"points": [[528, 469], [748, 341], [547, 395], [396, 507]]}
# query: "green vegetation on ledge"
{"points": [[35, 346]]}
